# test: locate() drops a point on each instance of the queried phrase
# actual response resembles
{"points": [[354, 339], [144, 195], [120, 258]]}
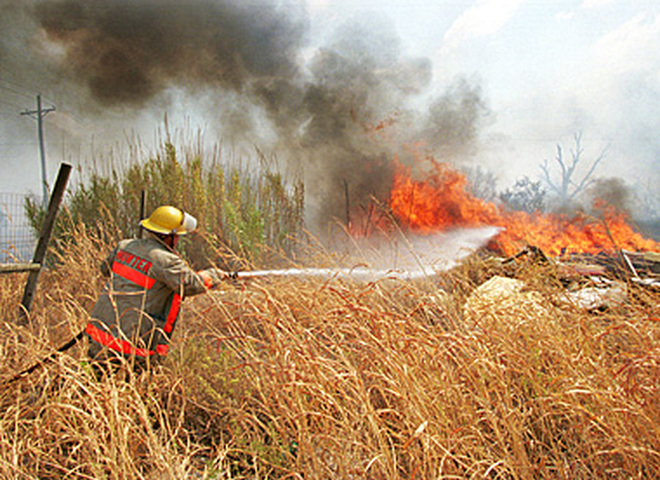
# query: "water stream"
{"points": [[408, 259]]}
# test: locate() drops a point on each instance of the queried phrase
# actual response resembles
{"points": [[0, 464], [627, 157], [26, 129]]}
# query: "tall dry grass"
{"points": [[325, 379]]}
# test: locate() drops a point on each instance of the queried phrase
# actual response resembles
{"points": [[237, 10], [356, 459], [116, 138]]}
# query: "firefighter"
{"points": [[136, 313]]}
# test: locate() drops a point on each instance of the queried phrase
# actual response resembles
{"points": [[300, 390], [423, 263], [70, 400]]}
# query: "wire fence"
{"points": [[17, 239]]}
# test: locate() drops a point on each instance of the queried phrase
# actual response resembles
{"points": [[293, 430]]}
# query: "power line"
{"points": [[10, 104], [17, 88], [13, 90]]}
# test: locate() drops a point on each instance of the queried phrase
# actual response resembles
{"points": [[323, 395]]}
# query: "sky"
{"points": [[492, 84]]}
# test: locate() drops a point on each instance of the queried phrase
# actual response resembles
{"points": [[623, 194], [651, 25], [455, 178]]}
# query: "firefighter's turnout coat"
{"points": [[137, 311]]}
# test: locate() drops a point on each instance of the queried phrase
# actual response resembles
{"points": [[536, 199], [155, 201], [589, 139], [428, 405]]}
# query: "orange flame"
{"points": [[442, 201]]}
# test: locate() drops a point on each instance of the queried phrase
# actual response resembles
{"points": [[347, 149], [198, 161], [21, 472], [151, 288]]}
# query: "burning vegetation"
{"points": [[442, 201]]}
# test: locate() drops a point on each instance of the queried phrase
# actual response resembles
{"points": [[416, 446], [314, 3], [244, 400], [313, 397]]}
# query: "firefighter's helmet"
{"points": [[169, 220]]}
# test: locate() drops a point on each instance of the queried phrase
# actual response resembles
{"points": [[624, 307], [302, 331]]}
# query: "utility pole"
{"points": [[40, 114]]}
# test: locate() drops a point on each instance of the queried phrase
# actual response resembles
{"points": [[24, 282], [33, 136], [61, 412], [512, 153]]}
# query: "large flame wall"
{"points": [[442, 201]]}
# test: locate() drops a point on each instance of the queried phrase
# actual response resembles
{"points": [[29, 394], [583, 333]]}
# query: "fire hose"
{"points": [[48, 358]]}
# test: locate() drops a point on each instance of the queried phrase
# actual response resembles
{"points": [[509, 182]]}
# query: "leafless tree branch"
{"points": [[567, 187]]}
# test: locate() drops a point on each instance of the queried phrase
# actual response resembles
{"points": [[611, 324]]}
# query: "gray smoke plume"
{"points": [[340, 110], [614, 192]]}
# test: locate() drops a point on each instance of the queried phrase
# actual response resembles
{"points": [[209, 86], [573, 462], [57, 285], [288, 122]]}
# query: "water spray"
{"points": [[356, 273], [420, 257]]}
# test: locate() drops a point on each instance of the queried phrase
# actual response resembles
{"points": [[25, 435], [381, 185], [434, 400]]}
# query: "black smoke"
{"points": [[339, 109], [127, 52]]}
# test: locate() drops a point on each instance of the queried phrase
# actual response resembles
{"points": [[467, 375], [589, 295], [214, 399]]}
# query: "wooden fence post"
{"points": [[143, 210], [44, 238]]}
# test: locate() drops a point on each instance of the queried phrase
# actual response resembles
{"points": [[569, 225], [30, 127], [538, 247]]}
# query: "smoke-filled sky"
{"points": [[336, 88]]}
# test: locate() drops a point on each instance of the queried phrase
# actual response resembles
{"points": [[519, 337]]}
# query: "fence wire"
{"points": [[17, 239]]}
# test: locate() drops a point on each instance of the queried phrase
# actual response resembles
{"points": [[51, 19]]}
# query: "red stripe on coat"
{"points": [[173, 313], [116, 344], [133, 275]]}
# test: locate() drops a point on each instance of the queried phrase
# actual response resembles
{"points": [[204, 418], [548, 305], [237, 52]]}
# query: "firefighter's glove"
{"points": [[213, 277]]}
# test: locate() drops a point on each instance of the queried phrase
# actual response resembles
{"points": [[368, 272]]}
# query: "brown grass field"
{"points": [[333, 379]]}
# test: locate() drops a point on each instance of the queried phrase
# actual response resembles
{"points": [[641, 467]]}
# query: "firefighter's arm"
{"points": [[175, 273]]}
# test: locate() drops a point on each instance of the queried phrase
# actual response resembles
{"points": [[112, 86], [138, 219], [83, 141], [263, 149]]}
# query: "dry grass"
{"points": [[325, 379]]}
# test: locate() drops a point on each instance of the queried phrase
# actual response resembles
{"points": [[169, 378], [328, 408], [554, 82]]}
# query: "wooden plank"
{"points": [[143, 210], [18, 267], [44, 238]]}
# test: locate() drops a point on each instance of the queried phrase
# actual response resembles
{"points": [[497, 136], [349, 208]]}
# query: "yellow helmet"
{"points": [[169, 220]]}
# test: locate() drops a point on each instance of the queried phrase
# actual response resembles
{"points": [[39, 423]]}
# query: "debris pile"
{"points": [[589, 282]]}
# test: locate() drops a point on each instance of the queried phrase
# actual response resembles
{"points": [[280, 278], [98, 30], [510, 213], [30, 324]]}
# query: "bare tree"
{"points": [[567, 187]]}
